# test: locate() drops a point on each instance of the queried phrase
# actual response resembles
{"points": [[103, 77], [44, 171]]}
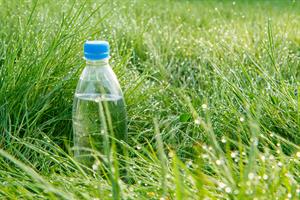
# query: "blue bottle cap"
{"points": [[96, 50]]}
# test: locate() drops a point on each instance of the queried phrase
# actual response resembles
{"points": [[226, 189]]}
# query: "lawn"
{"points": [[211, 87]]}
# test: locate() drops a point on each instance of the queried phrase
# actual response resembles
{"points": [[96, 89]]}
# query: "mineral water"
{"points": [[90, 129], [99, 112]]}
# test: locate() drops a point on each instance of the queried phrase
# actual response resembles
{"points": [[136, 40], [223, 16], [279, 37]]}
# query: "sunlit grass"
{"points": [[211, 91]]}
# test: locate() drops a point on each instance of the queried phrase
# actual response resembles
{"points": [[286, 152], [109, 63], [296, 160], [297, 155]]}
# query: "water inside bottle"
{"points": [[92, 115]]}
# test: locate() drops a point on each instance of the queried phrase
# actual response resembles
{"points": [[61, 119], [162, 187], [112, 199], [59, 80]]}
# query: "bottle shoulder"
{"points": [[98, 80]]}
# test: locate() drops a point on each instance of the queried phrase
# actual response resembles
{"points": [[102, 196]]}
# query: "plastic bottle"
{"points": [[99, 112]]}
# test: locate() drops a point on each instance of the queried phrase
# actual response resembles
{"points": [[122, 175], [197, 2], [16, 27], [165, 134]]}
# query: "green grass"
{"points": [[212, 93]]}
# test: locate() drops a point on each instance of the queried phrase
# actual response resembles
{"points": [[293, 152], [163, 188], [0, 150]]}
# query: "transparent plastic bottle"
{"points": [[99, 112]]}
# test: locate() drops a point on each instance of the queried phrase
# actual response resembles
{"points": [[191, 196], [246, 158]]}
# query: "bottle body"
{"points": [[99, 112]]}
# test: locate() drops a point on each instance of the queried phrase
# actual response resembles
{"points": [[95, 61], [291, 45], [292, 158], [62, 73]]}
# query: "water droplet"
{"points": [[278, 151], [204, 156], [222, 185], [204, 106], [228, 190], [171, 154], [234, 154], [95, 167], [219, 162], [138, 147], [197, 121], [251, 176], [223, 140], [189, 163], [278, 144]]}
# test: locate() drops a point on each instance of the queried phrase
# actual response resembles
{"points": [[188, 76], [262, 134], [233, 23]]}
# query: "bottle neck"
{"points": [[97, 63]]}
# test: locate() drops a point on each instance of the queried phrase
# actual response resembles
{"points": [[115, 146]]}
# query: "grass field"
{"points": [[211, 87]]}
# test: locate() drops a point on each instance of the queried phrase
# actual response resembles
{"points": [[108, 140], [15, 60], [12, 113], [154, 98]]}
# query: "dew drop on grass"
{"points": [[222, 185], [223, 140], [204, 106], [251, 176], [289, 175], [278, 144], [278, 151], [233, 154], [189, 163], [197, 121], [138, 147], [254, 141], [95, 167], [219, 162], [171, 154], [228, 190], [204, 156], [150, 169]]}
